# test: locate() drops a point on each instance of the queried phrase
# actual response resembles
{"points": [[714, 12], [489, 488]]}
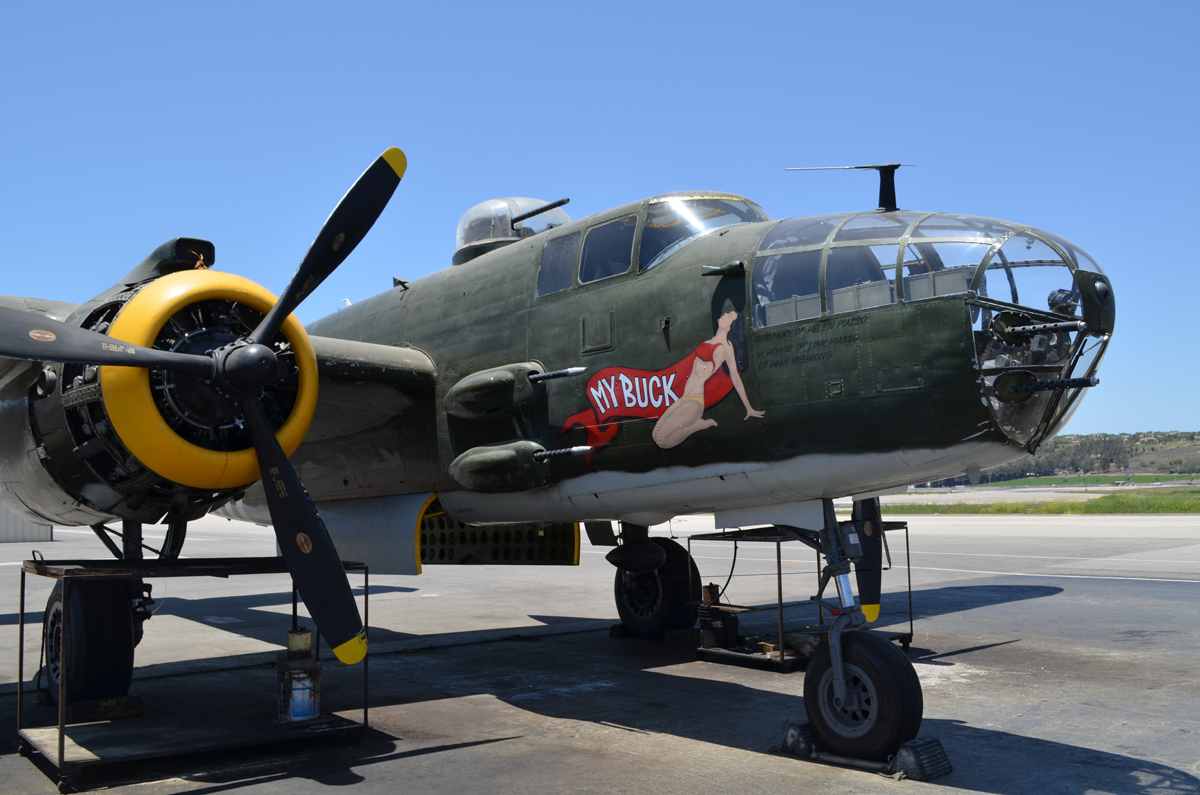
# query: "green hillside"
{"points": [[1133, 501], [1104, 458]]}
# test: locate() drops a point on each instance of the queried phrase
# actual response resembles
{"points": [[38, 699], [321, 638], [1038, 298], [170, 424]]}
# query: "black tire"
{"points": [[652, 603], [888, 686], [99, 643]]}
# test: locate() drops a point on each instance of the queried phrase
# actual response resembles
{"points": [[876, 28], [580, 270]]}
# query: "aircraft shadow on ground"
{"points": [[927, 603], [244, 616], [623, 684], [1011, 764], [248, 618], [252, 622], [704, 710], [649, 687]]}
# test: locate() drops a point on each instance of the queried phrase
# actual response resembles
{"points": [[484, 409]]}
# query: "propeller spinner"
{"points": [[240, 371]]}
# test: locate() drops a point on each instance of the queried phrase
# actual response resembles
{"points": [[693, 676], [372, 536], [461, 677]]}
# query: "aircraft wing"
{"points": [[364, 386]]}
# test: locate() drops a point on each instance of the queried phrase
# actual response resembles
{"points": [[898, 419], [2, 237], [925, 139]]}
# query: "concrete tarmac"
{"points": [[1057, 654]]}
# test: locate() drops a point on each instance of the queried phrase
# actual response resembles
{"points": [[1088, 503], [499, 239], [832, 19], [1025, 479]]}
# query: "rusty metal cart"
{"points": [[72, 746]]}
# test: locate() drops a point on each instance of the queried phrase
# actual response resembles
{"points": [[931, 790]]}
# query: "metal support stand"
{"points": [[51, 743], [825, 542]]}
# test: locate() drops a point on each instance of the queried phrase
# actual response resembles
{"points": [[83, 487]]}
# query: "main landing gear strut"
{"points": [[652, 582]]}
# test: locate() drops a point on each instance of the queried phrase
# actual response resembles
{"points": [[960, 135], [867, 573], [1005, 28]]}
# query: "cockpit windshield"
{"points": [[674, 221]]}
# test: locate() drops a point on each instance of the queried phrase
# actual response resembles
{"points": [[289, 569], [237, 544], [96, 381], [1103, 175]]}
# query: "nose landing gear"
{"points": [[861, 693]]}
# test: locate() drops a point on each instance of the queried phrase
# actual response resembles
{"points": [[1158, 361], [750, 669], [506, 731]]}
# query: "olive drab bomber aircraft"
{"points": [[680, 354]]}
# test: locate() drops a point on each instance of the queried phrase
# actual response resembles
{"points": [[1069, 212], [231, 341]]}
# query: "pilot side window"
{"points": [[558, 264], [608, 249]]}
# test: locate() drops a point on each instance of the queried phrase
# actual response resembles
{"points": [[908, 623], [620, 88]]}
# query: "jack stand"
{"points": [[922, 759]]}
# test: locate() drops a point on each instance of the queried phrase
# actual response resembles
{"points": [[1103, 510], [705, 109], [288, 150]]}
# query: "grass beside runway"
{"points": [[1158, 501], [1084, 480]]}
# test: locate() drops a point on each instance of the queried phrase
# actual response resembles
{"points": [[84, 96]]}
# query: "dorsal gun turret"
{"points": [[497, 222]]}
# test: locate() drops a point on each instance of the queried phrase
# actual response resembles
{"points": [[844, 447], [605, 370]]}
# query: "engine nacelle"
{"points": [[148, 445]]}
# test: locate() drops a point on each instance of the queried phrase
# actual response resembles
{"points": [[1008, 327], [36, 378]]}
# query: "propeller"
{"points": [[40, 339], [240, 371]]}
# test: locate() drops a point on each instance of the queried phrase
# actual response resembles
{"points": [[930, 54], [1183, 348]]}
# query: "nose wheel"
{"points": [[883, 703], [861, 693]]}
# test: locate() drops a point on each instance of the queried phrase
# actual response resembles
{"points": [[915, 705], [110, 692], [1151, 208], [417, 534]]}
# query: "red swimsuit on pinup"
{"points": [[704, 351]]}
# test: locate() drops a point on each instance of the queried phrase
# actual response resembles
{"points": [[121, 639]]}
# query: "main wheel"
{"points": [[653, 602], [99, 640], [889, 706]]}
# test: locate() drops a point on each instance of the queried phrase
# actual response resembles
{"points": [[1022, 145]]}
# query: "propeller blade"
{"points": [[345, 228], [38, 338], [307, 548]]}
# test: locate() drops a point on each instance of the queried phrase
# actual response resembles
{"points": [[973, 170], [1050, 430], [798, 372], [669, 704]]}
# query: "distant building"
{"points": [[15, 528]]}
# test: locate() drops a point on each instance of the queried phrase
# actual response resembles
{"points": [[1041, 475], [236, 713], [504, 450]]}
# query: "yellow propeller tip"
{"points": [[352, 651], [870, 612], [396, 159]]}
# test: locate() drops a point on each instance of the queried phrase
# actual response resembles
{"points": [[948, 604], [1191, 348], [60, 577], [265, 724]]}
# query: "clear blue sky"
{"points": [[243, 123]]}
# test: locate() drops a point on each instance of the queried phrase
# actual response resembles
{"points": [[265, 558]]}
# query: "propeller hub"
{"points": [[249, 368]]}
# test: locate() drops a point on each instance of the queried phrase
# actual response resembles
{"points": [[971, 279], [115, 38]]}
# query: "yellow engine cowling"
{"points": [[129, 403]]}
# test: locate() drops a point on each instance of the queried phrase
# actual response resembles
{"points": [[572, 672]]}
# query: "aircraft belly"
{"points": [[713, 487]]}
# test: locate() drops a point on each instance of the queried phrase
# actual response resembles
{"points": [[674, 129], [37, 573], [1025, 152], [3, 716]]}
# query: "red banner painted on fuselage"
{"points": [[617, 393]]}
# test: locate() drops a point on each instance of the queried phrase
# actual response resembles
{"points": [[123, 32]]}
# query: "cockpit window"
{"points": [[607, 249], [558, 264], [673, 222], [858, 277], [809, 230], [860, 254], [787, 286], [945, 268]]}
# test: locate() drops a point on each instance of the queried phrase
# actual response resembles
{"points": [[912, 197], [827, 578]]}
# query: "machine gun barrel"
{"points": [[1066, 383], [1047, 328], [547, 454], [570, 371], [539, 210]]}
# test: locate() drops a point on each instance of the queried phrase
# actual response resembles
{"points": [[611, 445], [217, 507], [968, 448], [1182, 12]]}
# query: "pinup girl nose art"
{"points": [[677, 396]]}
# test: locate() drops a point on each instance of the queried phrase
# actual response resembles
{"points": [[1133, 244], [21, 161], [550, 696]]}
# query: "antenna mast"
{"points": [[887, 180]]}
